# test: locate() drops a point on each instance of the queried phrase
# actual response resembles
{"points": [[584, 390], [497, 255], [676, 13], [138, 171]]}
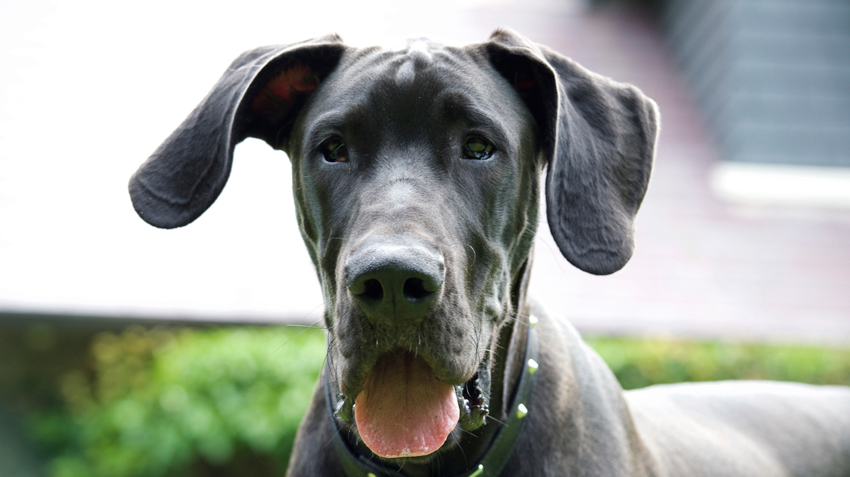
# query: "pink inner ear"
{"points": [[296, 79]]}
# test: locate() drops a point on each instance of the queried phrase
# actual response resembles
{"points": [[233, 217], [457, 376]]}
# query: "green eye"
{"points": [[476, 147], [335, 150]]}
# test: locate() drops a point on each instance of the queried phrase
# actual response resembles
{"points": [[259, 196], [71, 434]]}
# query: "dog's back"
{"points": [[745, 428]]}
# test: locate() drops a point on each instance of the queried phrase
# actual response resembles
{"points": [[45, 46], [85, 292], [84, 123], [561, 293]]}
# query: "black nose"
{"points": [[394, 281]]}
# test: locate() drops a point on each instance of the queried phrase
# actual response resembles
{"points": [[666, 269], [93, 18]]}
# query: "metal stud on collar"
{"points": [[521, 411], [532, 366], [477, 472], [532, 321]]}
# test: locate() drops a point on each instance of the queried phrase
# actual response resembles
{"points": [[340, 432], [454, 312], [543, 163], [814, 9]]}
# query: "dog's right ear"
{"points": [[259, 95]]}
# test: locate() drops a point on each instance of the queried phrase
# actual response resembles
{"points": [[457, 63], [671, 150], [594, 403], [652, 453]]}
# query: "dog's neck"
{"points": [[510, 347]]}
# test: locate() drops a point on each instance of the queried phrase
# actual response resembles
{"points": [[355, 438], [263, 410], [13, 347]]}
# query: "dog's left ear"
{"points": [[599, 140], [260, 96]]}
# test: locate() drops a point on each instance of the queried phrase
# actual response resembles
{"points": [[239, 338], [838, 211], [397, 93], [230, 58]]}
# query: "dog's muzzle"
{"points": [[404, 409]]}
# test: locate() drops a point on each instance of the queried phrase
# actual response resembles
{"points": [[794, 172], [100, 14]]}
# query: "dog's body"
{"points": [[583, 424], [416, 178]]}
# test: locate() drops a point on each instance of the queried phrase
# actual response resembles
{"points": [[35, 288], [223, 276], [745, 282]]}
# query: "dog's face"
{"points": [[416, 178], [416, 185]]}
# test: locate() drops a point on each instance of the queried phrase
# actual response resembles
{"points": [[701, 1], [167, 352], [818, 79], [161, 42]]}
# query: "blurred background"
{"points": [[128, 350]]}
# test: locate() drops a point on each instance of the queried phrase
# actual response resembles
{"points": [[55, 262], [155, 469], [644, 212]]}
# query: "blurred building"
{"points": [[772, 77]]}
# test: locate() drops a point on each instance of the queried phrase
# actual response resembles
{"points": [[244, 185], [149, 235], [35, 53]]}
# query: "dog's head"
{"points": [[416, 179]]}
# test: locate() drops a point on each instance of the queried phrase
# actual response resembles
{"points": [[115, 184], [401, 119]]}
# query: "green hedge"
{"points": [[642, 362], [228, 401], [177, 403]]}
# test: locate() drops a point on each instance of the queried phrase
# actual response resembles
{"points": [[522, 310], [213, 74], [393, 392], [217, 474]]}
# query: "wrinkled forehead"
{"points": [[422, 79]]}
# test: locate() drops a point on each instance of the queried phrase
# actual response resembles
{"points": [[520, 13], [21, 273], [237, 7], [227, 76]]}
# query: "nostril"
{"points": [[372, 290], [414, 290], [394, 281]]}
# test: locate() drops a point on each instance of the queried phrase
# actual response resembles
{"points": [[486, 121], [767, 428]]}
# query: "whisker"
{"points": [[306, 329], [311, 325], [328, 363], [496, 420], [474, 254], [465, 459]]}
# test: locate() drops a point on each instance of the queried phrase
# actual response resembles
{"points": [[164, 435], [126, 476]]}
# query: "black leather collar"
{"points": [[491, 463]]}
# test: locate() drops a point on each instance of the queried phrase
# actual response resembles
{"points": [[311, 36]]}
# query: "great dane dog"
{"points": [[416, 175]]}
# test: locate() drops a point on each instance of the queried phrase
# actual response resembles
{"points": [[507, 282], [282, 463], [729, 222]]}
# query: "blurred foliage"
{"points": [[642, 362], [227, 402], [184, 403]]}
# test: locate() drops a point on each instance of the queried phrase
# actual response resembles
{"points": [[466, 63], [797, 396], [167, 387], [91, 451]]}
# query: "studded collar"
{"points": [[491, 462]]}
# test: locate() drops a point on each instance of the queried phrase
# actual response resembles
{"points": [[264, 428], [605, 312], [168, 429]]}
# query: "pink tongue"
{"points": [[404, 410]]}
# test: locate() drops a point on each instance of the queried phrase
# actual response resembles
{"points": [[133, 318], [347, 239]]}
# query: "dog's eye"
{"points": [[476, 147], [335, 150]]}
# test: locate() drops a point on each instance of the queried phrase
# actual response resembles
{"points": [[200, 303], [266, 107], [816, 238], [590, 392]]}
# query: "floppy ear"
{"points": [[599, 140], [259, 95]]}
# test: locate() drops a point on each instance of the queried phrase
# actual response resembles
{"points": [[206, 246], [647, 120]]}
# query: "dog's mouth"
{"points": [[405, 410]]}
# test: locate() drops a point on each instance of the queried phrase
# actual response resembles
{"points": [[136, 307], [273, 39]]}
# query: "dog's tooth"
{"points": [[344, 408], [461, 400]]}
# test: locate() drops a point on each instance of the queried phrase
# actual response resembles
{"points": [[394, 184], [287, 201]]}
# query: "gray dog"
{"points": [[417, 185]]}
